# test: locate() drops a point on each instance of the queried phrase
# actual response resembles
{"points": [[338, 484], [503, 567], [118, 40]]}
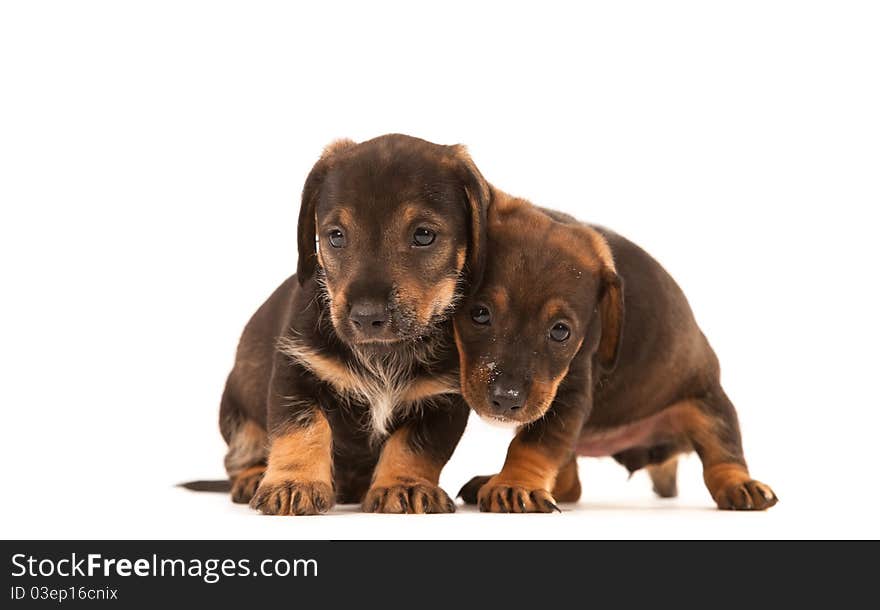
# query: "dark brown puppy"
{"points": [[345, 385], [585, 341]]}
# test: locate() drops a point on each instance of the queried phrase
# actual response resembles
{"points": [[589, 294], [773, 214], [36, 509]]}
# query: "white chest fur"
{"points": [[386, 385]]}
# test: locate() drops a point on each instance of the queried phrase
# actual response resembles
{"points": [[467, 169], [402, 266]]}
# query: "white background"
{"points": [[151, 159]]}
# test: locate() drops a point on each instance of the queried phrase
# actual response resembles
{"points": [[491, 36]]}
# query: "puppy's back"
{"points": [[664, 355]]}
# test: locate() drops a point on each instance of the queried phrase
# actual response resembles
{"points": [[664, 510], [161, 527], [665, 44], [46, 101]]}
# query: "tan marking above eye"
{"points": [[345, 217], [337, 217], [409, 212], [554, 309], [500, 299]]}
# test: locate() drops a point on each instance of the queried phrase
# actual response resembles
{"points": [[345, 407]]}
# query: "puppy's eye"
{"points": [[337, 238], [424, 237], [480, 315], [560, 332]]}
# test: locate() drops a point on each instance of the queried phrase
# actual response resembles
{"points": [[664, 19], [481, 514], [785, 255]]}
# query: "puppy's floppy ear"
{"points": [[478, 197], [609, 304], [307, 259], [611, 315]]}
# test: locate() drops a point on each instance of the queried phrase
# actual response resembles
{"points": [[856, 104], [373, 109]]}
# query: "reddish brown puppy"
{"points": [[345, 384], [584, 340]]}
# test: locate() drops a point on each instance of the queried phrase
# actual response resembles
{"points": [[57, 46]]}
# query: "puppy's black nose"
{"points": [[506, 398], [369, 318]]}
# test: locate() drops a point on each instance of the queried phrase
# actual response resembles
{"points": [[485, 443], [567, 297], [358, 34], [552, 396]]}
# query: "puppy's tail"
{"points": [[220, 485]]}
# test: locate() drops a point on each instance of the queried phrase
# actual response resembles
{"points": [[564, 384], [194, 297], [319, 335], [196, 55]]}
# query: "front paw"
{"points": [[293, 498], [407, 496], [498, 496], [748, 495]]}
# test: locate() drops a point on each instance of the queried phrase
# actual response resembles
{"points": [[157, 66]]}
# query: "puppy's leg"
{"points": [[245, 483], [567, 487], [406, 479], [525, 482], [714, 432], [665, 478], [538, 461], [245, 459], [298, 478]]}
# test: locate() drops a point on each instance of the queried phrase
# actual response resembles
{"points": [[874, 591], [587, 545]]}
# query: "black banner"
{"points": [[132, 574]]}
